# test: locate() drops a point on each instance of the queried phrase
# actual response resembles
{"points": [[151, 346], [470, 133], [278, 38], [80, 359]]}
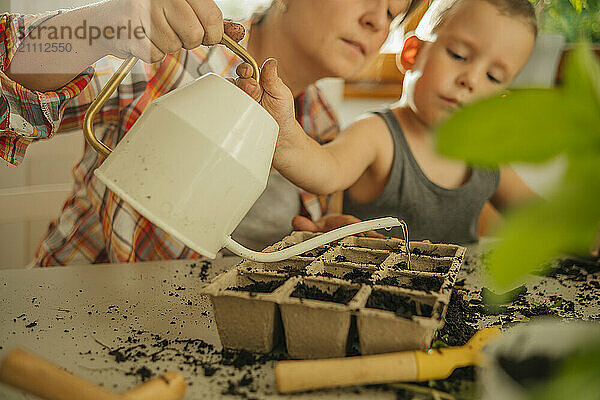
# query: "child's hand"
{"points": [[272, 93], [329, 223]]}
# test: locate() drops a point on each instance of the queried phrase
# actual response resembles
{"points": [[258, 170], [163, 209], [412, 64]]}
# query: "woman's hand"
{"points": [[163, 27], [272, 94], [330, 222]]}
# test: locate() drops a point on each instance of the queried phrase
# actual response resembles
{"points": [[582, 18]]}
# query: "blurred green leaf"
{"points": [[565, 223], [531, 125], [582, 79]]}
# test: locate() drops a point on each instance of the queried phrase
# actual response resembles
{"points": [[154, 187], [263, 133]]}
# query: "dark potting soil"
{"points": [[402, 306], [439, 268], [430, 253], [314, 253], [422, 283], [291, 270], [426, 284], [325, 274], [143, 373], [340, 258], [530, 371], [426, 310], [460, 314], [359, 276], [259, 286], [341, 295], [575, 268], [204, 267], [388, 281]]}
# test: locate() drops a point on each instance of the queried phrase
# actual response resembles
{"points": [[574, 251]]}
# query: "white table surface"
{"points": [[77, 308]]}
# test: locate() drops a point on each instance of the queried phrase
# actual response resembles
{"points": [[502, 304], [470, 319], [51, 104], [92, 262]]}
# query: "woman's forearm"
{"points": [[56, 51]]}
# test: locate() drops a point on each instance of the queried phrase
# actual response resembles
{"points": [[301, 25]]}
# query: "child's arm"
{"points": [[315, 168], [511, 191]]}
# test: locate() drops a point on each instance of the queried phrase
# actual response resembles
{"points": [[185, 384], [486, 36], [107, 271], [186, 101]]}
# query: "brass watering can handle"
{"points": [[117, 78]]}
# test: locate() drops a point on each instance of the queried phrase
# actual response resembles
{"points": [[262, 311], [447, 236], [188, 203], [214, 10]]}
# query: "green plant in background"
{"points": [[575, 19], [535, 125]]}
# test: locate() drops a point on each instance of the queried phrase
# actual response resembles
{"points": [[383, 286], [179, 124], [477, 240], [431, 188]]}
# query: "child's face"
{"points": [[478, 52]]}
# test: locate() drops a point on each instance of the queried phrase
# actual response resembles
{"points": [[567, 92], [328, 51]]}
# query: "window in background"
{"points": [[37, 6], [241, 9]]}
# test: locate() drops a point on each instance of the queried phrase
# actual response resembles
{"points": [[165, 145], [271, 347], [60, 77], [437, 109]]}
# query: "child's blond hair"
{"points": [[439, 11]]}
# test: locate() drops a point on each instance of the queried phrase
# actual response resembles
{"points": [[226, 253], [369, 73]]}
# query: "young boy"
{"points": [[463, 50]]}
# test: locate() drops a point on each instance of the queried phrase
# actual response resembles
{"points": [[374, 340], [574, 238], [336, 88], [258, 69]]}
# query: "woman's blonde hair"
{"points": [[260, 14]]}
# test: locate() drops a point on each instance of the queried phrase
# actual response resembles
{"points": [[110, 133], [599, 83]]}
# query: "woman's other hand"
{"points": [[330, 222], [272, 93]]}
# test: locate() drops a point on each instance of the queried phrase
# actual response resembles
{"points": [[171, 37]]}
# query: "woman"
{"points": [[311, 39]]}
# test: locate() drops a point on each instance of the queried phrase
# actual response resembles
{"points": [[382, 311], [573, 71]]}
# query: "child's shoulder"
{"points": [[370, 122], [370, 133]]}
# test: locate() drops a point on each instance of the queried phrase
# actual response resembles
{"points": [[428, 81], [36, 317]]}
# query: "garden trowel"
{"points": [[406, 366]]}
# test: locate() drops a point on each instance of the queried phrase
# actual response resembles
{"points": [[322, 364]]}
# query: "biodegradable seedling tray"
{"points": [[317, 315], [397, 305], [245, 310]]}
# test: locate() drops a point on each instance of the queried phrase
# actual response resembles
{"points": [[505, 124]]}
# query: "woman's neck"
{"points": [[267, 40]]}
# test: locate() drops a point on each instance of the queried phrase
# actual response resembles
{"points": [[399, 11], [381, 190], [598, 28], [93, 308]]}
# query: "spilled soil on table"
{"points": [[194, 357]]}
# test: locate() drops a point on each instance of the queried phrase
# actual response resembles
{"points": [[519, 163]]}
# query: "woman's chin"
{"points": [[345, 69]]}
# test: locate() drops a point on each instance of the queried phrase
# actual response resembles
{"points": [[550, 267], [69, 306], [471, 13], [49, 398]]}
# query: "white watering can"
{"points": [[196, 161]]}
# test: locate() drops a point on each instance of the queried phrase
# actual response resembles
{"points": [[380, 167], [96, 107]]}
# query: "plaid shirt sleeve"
{"points": [[27, 115], [320, 122]]}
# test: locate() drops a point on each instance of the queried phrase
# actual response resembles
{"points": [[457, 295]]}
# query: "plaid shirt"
{"points": [[95, 225]]}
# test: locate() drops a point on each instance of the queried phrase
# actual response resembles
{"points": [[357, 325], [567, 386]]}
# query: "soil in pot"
{"points": [[342, 295], [314, 253], [422, 283], [259, 286], [402, 306]]}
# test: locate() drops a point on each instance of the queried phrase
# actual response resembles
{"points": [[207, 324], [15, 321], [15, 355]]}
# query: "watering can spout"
{"points": [[307, 245]]}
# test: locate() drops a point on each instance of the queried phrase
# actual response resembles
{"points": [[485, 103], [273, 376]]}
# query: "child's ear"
{"points": [[406, 59]]}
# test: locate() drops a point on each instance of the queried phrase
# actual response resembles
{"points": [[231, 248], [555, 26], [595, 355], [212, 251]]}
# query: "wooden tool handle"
{"points": [[297, 376], [39, 377]]}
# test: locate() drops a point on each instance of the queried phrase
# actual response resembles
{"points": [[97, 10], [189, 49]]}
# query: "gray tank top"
{"points": [[432, 212]]}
